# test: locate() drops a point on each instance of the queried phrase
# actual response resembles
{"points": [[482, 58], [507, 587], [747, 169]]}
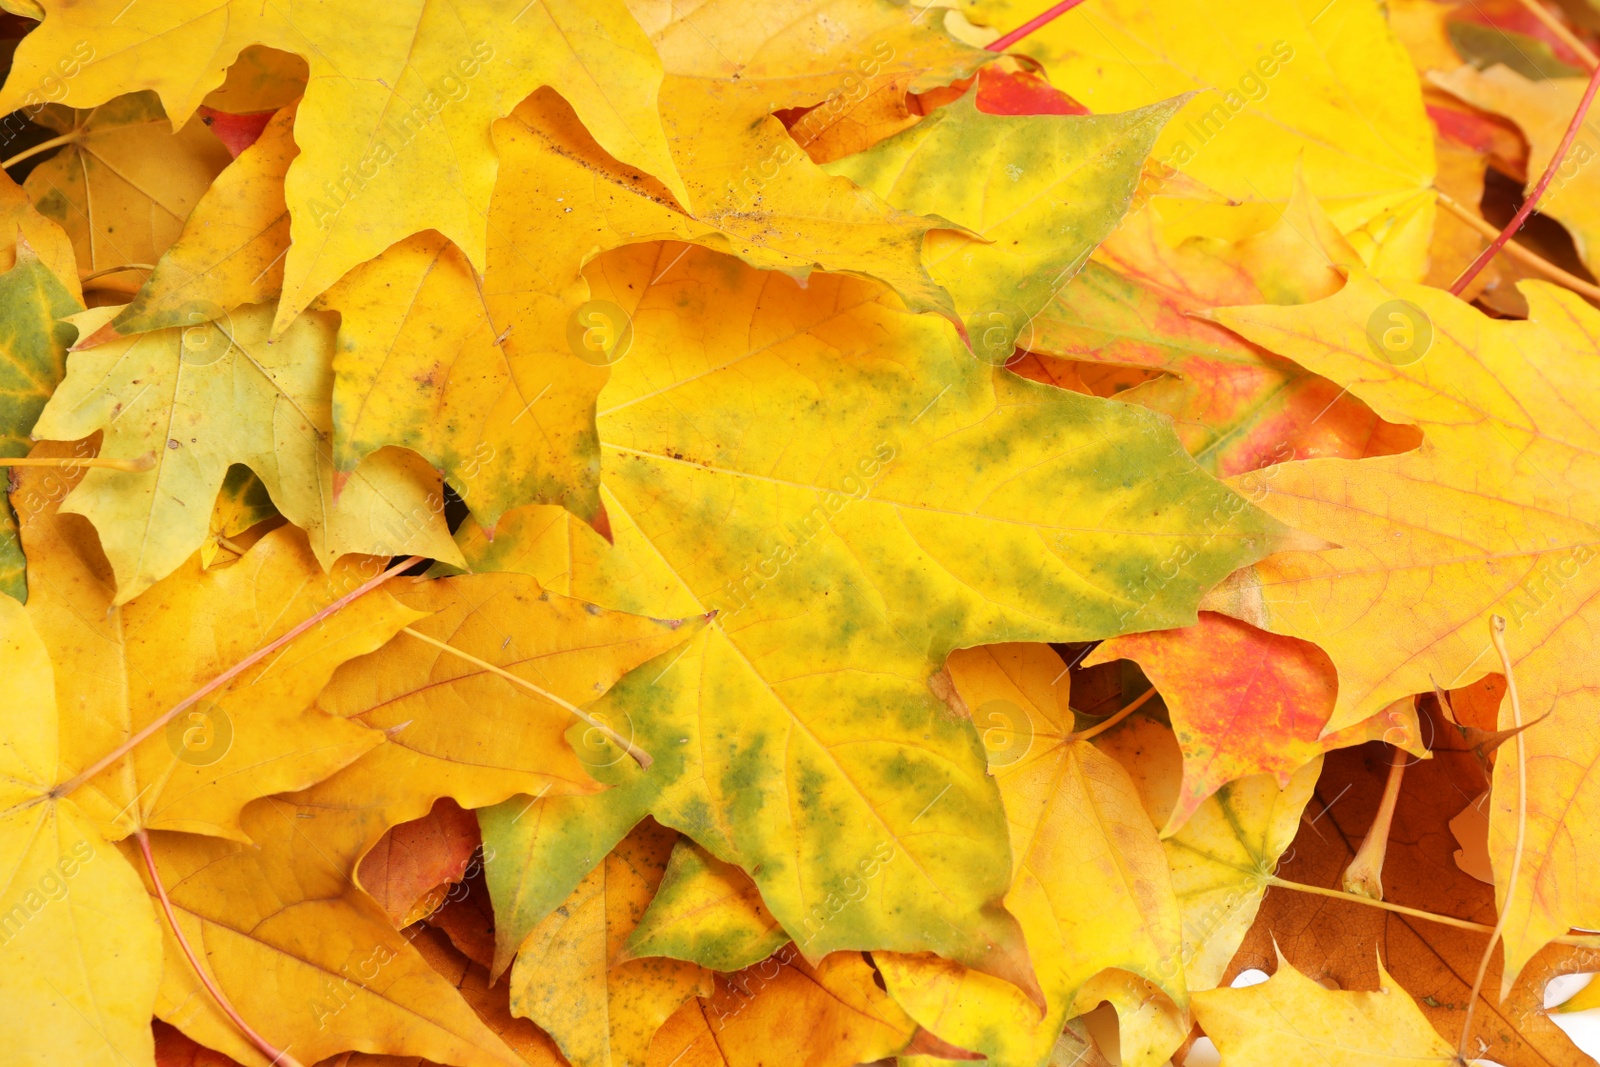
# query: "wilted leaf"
{"points": [[1341, 942]]}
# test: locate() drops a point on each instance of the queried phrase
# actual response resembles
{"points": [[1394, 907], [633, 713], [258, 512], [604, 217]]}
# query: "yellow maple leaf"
{"points": [[1495, 513], [393, 128], [456, 725], [302, 952], [119, 667], [123, 182], [80, 950], [1290, 1021], [1089, 879], [1300, 84]]}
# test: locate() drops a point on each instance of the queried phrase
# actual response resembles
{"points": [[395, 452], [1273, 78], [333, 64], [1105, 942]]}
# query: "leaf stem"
{"points": [[1532, 200], [1521, 253], [229, 675], [640, 756], [116, 270], [1559, 28], [1102, 727], [1497, 634], [42, 146], [143, 463], [1364, 875], [1002, 43], [1577, 940], [277, 1057]]}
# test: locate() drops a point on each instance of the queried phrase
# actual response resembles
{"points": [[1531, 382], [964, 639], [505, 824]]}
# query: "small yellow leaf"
{"points": [[1290, 1021]]}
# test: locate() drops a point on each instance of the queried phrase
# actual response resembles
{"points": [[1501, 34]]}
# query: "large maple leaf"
{"points": [[1494, 514], [892, 499], [394, 127]]}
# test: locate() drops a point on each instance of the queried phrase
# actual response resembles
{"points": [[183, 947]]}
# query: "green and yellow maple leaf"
{"points": [[829, 535], [1040, 192], [195, 400], [706, 911], [33, 360], [1089, 882]]}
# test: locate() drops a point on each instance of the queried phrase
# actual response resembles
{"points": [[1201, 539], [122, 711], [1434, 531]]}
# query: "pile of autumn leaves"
{"points": [[805, 453]]}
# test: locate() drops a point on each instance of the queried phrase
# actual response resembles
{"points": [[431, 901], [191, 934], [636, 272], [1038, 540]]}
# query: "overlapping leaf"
{"points": [[193, 401], [121, 666], [1300, 84], [393, 129], [1090, 884], [843, 571], [79, 946], [1494, 514]]}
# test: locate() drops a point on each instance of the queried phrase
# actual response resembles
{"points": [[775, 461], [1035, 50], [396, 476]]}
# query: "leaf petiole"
{"points": [[640, 756], [134, 466], [276, 1057]]}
